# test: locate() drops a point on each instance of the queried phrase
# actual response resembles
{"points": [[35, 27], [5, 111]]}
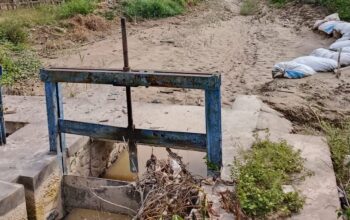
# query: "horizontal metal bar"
{"points": [[120, 70], [179, 140], [132, 78]]}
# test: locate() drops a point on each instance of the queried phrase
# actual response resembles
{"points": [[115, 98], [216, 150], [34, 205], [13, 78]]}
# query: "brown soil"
{"points": [[51, 41], [215, 37]]}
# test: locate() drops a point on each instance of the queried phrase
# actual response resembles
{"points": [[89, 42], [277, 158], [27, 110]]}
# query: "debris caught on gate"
{"points": [[170, 190]]}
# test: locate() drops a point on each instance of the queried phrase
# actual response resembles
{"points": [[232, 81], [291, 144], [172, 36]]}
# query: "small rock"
{"points": [[347, 160], [288, 189]]}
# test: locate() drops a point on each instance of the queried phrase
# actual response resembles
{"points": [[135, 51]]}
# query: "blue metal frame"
{"points": [[210, 142], [2, 121]]}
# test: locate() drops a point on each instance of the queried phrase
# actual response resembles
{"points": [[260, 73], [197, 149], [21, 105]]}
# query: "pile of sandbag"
{"points": [[320, 60]]}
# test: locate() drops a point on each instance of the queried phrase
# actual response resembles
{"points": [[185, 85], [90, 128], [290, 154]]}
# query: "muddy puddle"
{"points": [[87, 214], [120, 170]]}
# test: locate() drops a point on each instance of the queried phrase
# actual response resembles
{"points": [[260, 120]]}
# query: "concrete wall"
{"points": [[91, 157], [100, 194]]}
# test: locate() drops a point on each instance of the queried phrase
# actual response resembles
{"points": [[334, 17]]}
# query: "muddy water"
{"points": [[120, 170], [87, 214]]}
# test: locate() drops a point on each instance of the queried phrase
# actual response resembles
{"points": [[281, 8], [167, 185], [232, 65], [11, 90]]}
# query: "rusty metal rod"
{"points": [[125, 45], [131, 127]]}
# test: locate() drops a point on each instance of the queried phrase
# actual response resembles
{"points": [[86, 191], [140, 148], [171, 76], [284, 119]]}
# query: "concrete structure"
{"points": [[12, 202], [25, 159]]}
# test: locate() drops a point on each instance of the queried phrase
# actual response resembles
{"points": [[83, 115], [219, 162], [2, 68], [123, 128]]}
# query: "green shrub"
{"points": [[249, 7], [73, 7], [338, 139], [279, 3], [18, 64], [13, 31], [340, 6], [266, 167], [152, 8]]}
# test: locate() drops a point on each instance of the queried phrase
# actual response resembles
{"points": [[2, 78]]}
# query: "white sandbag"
{"points": [[346, 50], [328, 27], [332, 17], [344, 37], [318, 23], [344, 58], [339, 44], [291, 70], [342, 28], [318, 64]]}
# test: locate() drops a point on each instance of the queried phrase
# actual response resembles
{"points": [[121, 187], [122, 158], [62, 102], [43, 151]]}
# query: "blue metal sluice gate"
{"points": [[210, 141], [2, 121]]}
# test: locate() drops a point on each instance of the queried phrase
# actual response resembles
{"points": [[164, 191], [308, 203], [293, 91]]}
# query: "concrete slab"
{"points": [[320, 190], [12, 201], [247, 115]]}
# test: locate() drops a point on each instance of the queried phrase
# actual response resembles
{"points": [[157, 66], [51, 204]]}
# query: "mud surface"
{"points": [[215, 37]]}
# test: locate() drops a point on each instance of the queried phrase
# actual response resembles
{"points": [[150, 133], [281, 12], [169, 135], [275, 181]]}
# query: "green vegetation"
{"points": [[14, 24], [18, 63], [280, 3], [12, 31], [28, 17], [138, 9], [211, 166], [338, 139], [260, 176], [73, 7], [340, 6], [249, 7]]}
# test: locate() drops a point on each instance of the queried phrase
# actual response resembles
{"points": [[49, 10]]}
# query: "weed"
{"points": [[13, 31], [152, 8], [28, 17], [340, 6], [260, 176], [18, 64], [74, 7], [210, 165], [338, 139], [279, 3], [249, 7]]}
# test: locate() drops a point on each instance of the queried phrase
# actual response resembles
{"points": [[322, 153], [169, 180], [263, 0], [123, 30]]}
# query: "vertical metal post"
{"points": [[131, 142], [54, 112], [61, 136], [2, 121], [213, 126]]}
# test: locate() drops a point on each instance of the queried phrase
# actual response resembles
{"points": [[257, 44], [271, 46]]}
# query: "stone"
{"points": [[288, 189]]}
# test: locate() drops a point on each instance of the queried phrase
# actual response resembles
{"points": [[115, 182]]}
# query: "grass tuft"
{"points": [[338, 139], [249, 7], [138, 9], [15, 24], [260, 176], [18, 63], [340, 6], [73, 7], [13, 31]]}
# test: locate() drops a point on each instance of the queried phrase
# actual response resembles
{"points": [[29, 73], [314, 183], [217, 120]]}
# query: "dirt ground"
{"points": [[215, 37]]}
